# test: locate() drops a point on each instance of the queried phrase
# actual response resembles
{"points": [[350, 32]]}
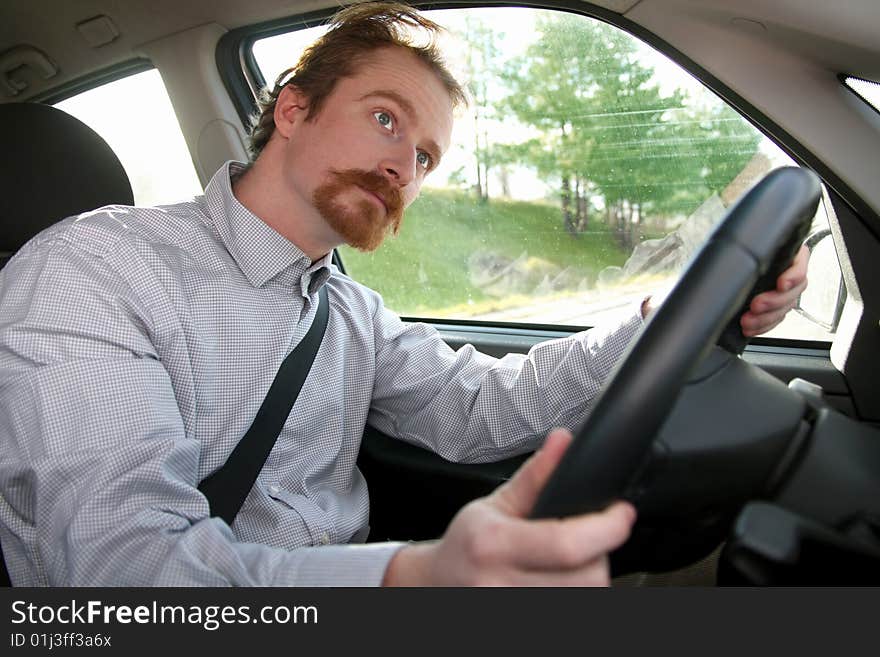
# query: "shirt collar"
{"points": [[259, 250]]}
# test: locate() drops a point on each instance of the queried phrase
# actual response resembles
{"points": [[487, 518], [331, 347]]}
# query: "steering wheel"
{"points": [[744, 255]]}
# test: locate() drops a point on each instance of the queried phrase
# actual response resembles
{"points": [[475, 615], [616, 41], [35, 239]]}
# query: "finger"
{"points": [[771, 313], [796, 273], [566, 544], [773, 300], [758, 324], [517, 496], [594, 573]]}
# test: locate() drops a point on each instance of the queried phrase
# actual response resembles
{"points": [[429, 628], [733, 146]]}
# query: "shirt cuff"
{"points": [[338, 565]]}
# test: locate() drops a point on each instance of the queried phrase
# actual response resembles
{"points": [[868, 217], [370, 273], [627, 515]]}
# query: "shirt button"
{"points": [[274, 490], [325, 539]]}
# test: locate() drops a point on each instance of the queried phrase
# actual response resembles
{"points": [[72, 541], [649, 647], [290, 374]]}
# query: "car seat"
{"points": [[56, 166]]}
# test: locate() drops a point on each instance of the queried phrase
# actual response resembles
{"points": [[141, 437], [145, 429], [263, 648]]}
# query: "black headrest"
{"points": [[54, 166]]}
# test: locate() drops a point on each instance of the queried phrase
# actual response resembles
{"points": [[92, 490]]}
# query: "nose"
{"points": [[399, 166]]}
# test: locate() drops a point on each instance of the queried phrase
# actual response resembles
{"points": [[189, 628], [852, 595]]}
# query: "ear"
{"points": [[291, 108]]}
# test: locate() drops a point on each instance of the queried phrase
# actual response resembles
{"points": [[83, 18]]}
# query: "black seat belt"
{"points": [[227, 487]]}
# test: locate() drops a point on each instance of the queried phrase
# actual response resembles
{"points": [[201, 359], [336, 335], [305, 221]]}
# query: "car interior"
{"points": [[751, 462]]}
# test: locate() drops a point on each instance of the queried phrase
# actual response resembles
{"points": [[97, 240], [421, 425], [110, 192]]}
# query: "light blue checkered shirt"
{"points": [[136, 345]]}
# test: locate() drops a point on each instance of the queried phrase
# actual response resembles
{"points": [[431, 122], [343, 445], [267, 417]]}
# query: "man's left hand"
{"points": [[769, 308]]}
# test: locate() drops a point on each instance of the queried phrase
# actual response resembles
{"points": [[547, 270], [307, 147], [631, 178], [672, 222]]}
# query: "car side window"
{"points": [[586, 171], [135, 117], [866, 90]]}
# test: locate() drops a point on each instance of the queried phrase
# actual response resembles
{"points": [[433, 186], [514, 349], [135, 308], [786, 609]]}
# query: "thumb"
{"points": [[517, 496]]}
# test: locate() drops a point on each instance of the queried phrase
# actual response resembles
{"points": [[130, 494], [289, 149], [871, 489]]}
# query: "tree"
{"points": [[481, 68], [550, 88], [604, 128]]}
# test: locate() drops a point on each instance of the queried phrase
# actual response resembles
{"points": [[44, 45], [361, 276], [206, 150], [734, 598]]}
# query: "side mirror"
{"points": [[822, 301]]}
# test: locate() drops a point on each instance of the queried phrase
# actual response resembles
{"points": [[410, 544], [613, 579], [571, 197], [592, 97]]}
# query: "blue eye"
{"points": [[423, 159], [384, 119]]}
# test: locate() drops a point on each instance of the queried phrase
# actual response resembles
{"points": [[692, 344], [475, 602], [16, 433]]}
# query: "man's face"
{"points": [[362, 160]]}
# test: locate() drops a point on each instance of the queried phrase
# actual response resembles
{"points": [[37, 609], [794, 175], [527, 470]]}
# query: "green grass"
{"points": [[425, 269]]}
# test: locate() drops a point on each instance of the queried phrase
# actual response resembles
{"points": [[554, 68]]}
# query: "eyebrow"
{"points": [[407, 107]]}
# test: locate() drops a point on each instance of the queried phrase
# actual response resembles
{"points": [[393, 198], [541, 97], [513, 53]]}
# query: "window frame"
{"points": [[94, 80], [238, 70]]}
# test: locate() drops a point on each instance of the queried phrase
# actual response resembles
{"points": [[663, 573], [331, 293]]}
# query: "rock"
{"points": [[568, 279], [543, 288], [500, 276], [694, 230], [609, 277], [654, 256], [669, 254]]}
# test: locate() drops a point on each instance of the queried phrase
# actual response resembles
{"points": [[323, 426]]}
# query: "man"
{"points": [[138, 343]]}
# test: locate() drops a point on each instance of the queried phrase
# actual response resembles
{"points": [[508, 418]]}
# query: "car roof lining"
{"points": [[813, 29]]}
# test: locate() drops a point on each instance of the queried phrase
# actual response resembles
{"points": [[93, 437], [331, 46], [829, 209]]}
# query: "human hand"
{"points": [[768, 309], [491, 542]]}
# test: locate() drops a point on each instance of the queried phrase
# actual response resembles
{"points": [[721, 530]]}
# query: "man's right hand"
{"points": [[491, 542]]}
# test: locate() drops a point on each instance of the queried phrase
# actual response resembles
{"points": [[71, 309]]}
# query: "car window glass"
{"points": [[135, 117], [583, 176], [866, 90]]}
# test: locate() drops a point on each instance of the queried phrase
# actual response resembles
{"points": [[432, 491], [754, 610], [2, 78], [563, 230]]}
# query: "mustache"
{"points": [[375, 183]]}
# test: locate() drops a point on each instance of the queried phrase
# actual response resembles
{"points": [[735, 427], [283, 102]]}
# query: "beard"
{"points": [[363, 224]]}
